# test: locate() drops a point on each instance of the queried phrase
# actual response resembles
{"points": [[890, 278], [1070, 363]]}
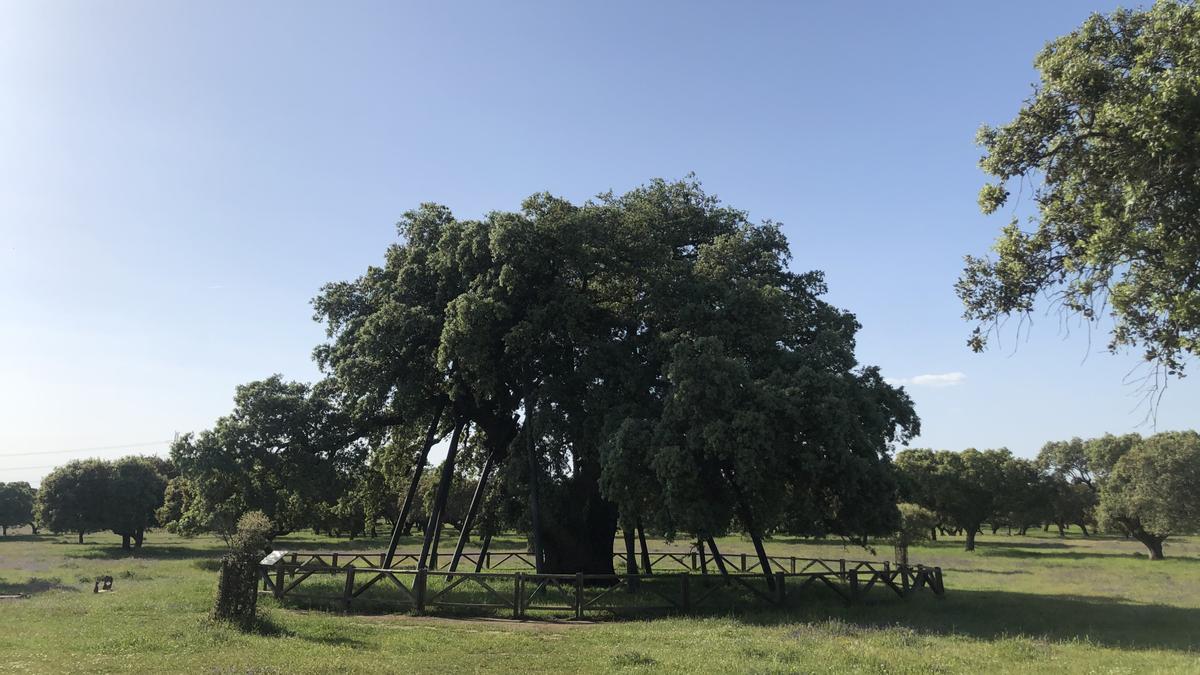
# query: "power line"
{"points": [[64, 452]]}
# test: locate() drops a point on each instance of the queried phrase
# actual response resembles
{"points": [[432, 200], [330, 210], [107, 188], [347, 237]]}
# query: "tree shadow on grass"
{"points": [[147, 552], [33, 586], [992, 615]]}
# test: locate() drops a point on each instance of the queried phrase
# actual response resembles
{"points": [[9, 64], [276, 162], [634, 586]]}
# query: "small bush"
{"points": [[237, 585]]}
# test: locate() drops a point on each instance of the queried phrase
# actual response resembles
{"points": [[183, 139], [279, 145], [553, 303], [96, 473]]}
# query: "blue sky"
{"points": [[178, 179]]}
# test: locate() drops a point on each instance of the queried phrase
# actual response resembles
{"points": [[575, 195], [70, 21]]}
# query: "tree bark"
{"points": [[81, 537], [409, 497], [435, 513], [138, 538], [1083, 527], [970, 539]]}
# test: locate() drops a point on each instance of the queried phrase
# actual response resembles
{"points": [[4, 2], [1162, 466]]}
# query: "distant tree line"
{"points": [[1147, 489]]}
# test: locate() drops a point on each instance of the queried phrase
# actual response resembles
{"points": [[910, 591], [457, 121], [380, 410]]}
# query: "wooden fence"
{"points": [[659, 561], [322, 579]]}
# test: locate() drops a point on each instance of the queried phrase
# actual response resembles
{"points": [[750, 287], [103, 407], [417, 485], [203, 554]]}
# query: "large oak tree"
{"points": [[647, 357]]}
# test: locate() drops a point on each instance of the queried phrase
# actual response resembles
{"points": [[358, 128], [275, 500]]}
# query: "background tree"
{"points": [[966, 488], [285, 448], [916, 524], [1153, 491], [136, 492], [1027, 497], [75, 497], [16, 505], [1109, 141]]}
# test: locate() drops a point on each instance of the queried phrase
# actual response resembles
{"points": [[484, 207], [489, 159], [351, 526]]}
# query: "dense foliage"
{"points": [[92, 495], [1109, 141], [643, 357], [16, 505]]}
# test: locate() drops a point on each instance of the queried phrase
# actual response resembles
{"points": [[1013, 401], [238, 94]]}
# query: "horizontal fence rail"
{"points": [[336, 580], [523, 560]]}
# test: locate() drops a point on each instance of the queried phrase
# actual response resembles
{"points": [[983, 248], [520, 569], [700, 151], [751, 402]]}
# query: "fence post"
{"points": [[904, 578], [335, 560], [516, 596], [685, 592], [579, 595], [887, 566], [419, 582], [793, 564], [940, 589], [489, 560], [695, 563], [743, 562], [279, 580], [842, 568], [780, 594], [853, 585], [348, 591]]}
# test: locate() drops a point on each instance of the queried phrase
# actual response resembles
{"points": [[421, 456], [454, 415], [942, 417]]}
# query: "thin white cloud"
{"points": [[932, 380]]}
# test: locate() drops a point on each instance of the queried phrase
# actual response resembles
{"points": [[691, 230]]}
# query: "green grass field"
{"points": [[1036, 603]]}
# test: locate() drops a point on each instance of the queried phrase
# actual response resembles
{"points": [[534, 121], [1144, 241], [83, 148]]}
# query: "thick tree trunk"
{"points": [[402, 526], [933, 534], [472, 511], [970, 539], [138, 538], [581, 527], [443, 491], [125, 542], [1062, 533], [5, 529], [1083, 528], [81, 537], [995, 528], [901, 554], [1153, 543]]}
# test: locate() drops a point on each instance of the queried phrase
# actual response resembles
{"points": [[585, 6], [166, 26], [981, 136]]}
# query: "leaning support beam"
{"points": [[483, 551], [472, 511], [439, 504], [645, 551], [410, 497], [717, 557]]}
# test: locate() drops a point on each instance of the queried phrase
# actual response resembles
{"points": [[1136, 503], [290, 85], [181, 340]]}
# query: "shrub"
{"points": [[237, 586]]}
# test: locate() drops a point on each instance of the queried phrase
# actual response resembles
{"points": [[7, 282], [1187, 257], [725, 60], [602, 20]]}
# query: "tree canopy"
{"points": [[1153, 491], [74, 497], [16, 505], [285, 449], [648, 356], [1109, 141]]}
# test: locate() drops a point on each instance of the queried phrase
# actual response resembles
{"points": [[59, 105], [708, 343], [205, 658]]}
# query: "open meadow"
{"points": [[1018, 604]]}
